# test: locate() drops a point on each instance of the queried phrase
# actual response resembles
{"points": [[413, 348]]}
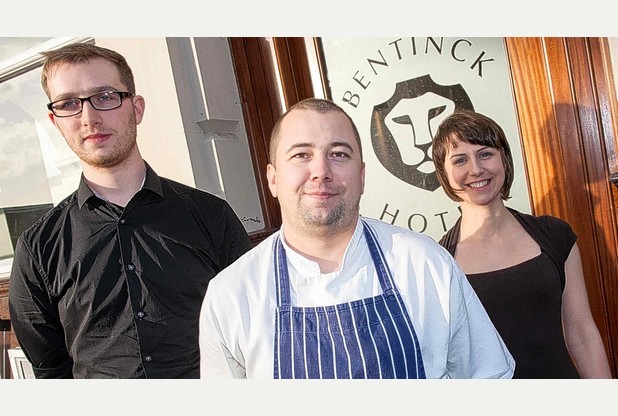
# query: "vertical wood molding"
{"points": [[588, 148], [291, 55], [540, 135], [608, 104], [564, 133], [258, 90]]}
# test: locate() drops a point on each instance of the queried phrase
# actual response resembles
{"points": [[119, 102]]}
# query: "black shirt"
{"points": [[524, 301], [101, 291]]}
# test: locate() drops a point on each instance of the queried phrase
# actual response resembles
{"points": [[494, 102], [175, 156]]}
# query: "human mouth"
{"points": [[479, 184], [321, 194], [96, 137]]}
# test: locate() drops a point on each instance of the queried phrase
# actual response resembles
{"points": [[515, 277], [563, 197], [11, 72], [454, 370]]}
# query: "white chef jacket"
{"points": [[458, 340]]}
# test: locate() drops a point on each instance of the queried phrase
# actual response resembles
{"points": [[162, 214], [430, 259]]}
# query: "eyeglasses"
{"points": [[103, 101]]}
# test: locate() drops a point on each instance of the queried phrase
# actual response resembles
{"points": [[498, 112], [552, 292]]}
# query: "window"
{"points": [[37, 168]]}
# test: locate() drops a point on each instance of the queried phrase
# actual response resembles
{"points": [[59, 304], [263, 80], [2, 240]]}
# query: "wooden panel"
{"points": [[601, 161], [576, 123], [594, 171], [565, 135], [608, 107], [539, 131], [293, 68]]}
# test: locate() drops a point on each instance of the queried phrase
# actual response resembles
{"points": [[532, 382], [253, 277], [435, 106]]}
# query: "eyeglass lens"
{"points": [[101, 101]]}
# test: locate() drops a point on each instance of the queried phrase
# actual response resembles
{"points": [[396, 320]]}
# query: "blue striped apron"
{"points": [[366, 338]]}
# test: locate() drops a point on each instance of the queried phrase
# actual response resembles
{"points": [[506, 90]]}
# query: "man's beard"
{"points": [[119, 153], [314, 222]]}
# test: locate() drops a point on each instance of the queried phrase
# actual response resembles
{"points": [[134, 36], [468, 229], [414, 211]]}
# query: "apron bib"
{"points": [[365, 338]]}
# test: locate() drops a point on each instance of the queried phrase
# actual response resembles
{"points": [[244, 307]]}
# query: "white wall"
{"points": [[161, 137]]}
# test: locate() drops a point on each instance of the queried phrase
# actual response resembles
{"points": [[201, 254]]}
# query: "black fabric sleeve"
{"points": [[35, 318], [554, 235], [562, 235], [235, 241]]}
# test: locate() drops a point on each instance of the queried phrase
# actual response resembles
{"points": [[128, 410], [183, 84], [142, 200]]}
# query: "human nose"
{"points": [[476, 167], [89, 114], [321, 169]]}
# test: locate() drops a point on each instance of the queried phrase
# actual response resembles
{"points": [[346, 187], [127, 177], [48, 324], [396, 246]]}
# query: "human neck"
{"points": [[484, 221], [325, 247], [116, 184]]}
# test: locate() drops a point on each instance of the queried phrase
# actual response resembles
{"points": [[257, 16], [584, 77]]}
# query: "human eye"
{"points": [[340, 154], [486, 154], [457, 161], [105, 97], [68, 105]]}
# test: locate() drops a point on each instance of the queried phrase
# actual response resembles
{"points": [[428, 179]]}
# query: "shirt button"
{"points": [[141, 314], [148, 358], [130, 267], [122, 221]]}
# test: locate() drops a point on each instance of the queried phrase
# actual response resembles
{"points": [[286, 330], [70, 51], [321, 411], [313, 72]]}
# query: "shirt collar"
{"points": [[152, 182], [299, 261]]}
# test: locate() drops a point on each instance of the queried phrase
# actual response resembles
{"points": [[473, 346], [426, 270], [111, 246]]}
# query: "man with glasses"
{"points": [[109, 283]]}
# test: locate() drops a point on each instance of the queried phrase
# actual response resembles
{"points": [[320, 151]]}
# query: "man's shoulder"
{"points": [[52, 219], [189, 192], [248, 269], [256, 256]]}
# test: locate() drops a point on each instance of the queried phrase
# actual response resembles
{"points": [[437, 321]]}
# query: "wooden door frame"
{"points": [[261, 85]]}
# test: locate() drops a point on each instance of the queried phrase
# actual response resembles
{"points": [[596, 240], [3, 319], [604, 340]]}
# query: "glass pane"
{"points": [[398, 90], [37, 168]]}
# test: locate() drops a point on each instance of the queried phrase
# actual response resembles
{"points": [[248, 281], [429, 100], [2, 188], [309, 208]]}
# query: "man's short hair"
{"points": [[319, 105], [81, 53]]}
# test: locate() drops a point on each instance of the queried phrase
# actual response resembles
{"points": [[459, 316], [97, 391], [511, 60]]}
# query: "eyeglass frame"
{"points": [[122, 94]]}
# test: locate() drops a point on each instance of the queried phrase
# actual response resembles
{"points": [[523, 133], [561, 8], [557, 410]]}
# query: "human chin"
{"points": [[329, 217], [106, 158]]}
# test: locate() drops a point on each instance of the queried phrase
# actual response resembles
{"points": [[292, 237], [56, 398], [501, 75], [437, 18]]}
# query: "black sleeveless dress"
{"points": [[524, 301]]}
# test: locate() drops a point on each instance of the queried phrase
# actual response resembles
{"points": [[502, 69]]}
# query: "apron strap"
{"points": [[282, 279], [377, 255]]}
